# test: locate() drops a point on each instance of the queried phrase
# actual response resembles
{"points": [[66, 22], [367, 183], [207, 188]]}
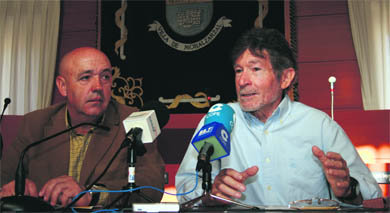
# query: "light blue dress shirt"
{"points": [[282, 149]]}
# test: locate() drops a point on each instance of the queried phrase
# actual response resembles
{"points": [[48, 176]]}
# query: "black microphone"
{"points": [[19, 202], [204, 155], [6, 102]]}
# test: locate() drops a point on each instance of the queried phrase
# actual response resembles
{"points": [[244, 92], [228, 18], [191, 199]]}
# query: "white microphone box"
{"points": [[147, 121]]}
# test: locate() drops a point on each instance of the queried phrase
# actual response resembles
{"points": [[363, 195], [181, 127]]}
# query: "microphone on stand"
{"points": [[332, 80], [212, 142], [6, 102], [140, 128], [20, 202], [215, 134]]}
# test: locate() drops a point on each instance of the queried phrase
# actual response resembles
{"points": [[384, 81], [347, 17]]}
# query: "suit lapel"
{"points": [[60, 143], [100, 145]]}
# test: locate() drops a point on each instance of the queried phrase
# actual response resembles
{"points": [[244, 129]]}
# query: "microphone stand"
{"points": [[20, 202], [6, 102], [135, 148], [204, 164], [163, 117]]}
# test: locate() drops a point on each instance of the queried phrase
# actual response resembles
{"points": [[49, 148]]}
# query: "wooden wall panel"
{"points": [[184, 121], [72, 40], [365, 127], [324, 38], [79, 16], [320, 7], [314, 88]]}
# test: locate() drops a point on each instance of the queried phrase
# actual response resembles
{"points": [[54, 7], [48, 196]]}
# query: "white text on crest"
{"points": [[205, 131]]}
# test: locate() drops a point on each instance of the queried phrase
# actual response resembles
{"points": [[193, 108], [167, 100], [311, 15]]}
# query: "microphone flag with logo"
{"points": [[151, 119], [219, 122]]}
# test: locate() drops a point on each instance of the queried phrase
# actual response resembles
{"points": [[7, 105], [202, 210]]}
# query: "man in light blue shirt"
{"points": [[281, 150]]}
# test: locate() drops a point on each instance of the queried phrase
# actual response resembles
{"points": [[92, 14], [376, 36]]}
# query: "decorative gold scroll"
{"points": [[120, 23], [201, 100], [263, 12], [129, 93]]}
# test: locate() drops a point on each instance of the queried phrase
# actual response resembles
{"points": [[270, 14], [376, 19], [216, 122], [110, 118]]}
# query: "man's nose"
{"points": [[97, 84], [244, 79]]}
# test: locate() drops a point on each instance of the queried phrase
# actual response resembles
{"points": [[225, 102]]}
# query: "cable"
{"points": [[135, 189], [106, 210]]}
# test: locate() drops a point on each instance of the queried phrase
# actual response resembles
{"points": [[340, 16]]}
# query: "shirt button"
{"points": [[269, 188], [267, 160], [281, 121], [266, 132]]}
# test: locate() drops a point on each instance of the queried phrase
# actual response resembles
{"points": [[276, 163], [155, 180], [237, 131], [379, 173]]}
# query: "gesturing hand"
{"points": [[230, 183], [63, 189], [336, 171]]}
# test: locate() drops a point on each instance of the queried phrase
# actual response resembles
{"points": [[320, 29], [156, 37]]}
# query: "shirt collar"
{"points": [[68, 121], [283, 109]]}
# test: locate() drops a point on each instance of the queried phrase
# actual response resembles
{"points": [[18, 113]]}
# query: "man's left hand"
{"points": [[63, 189], [336, 171]]}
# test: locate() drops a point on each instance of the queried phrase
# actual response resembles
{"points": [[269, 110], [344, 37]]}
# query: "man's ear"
{"points": [[61, 85], [287, 77]]}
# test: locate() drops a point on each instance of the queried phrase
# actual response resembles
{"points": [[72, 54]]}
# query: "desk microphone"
{"points": [[133, 126], [20, 202], [145, 125], [6, 102], [212, 141]]}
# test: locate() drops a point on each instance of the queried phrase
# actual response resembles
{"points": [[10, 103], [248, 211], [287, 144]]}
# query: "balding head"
{"points": [[75, 56], [85, 79]]}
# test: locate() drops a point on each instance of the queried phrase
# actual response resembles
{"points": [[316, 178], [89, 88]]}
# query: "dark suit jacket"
{"points": [[51, 158]]}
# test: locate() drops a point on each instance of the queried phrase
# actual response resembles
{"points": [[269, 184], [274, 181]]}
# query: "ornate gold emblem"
{"points": [[129, 93], [201, 100]]}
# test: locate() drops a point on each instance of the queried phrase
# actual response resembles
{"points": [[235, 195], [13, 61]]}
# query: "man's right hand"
{"points": [[9, 189], [63, 189], [230, 183]]}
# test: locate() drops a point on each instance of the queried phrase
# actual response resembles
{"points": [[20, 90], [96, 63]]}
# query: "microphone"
{"points": [[151, 119], [146, 121], [332, 80], [138, 123], [212, 141], [19, 202], [6, 102], [134, 132]]}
